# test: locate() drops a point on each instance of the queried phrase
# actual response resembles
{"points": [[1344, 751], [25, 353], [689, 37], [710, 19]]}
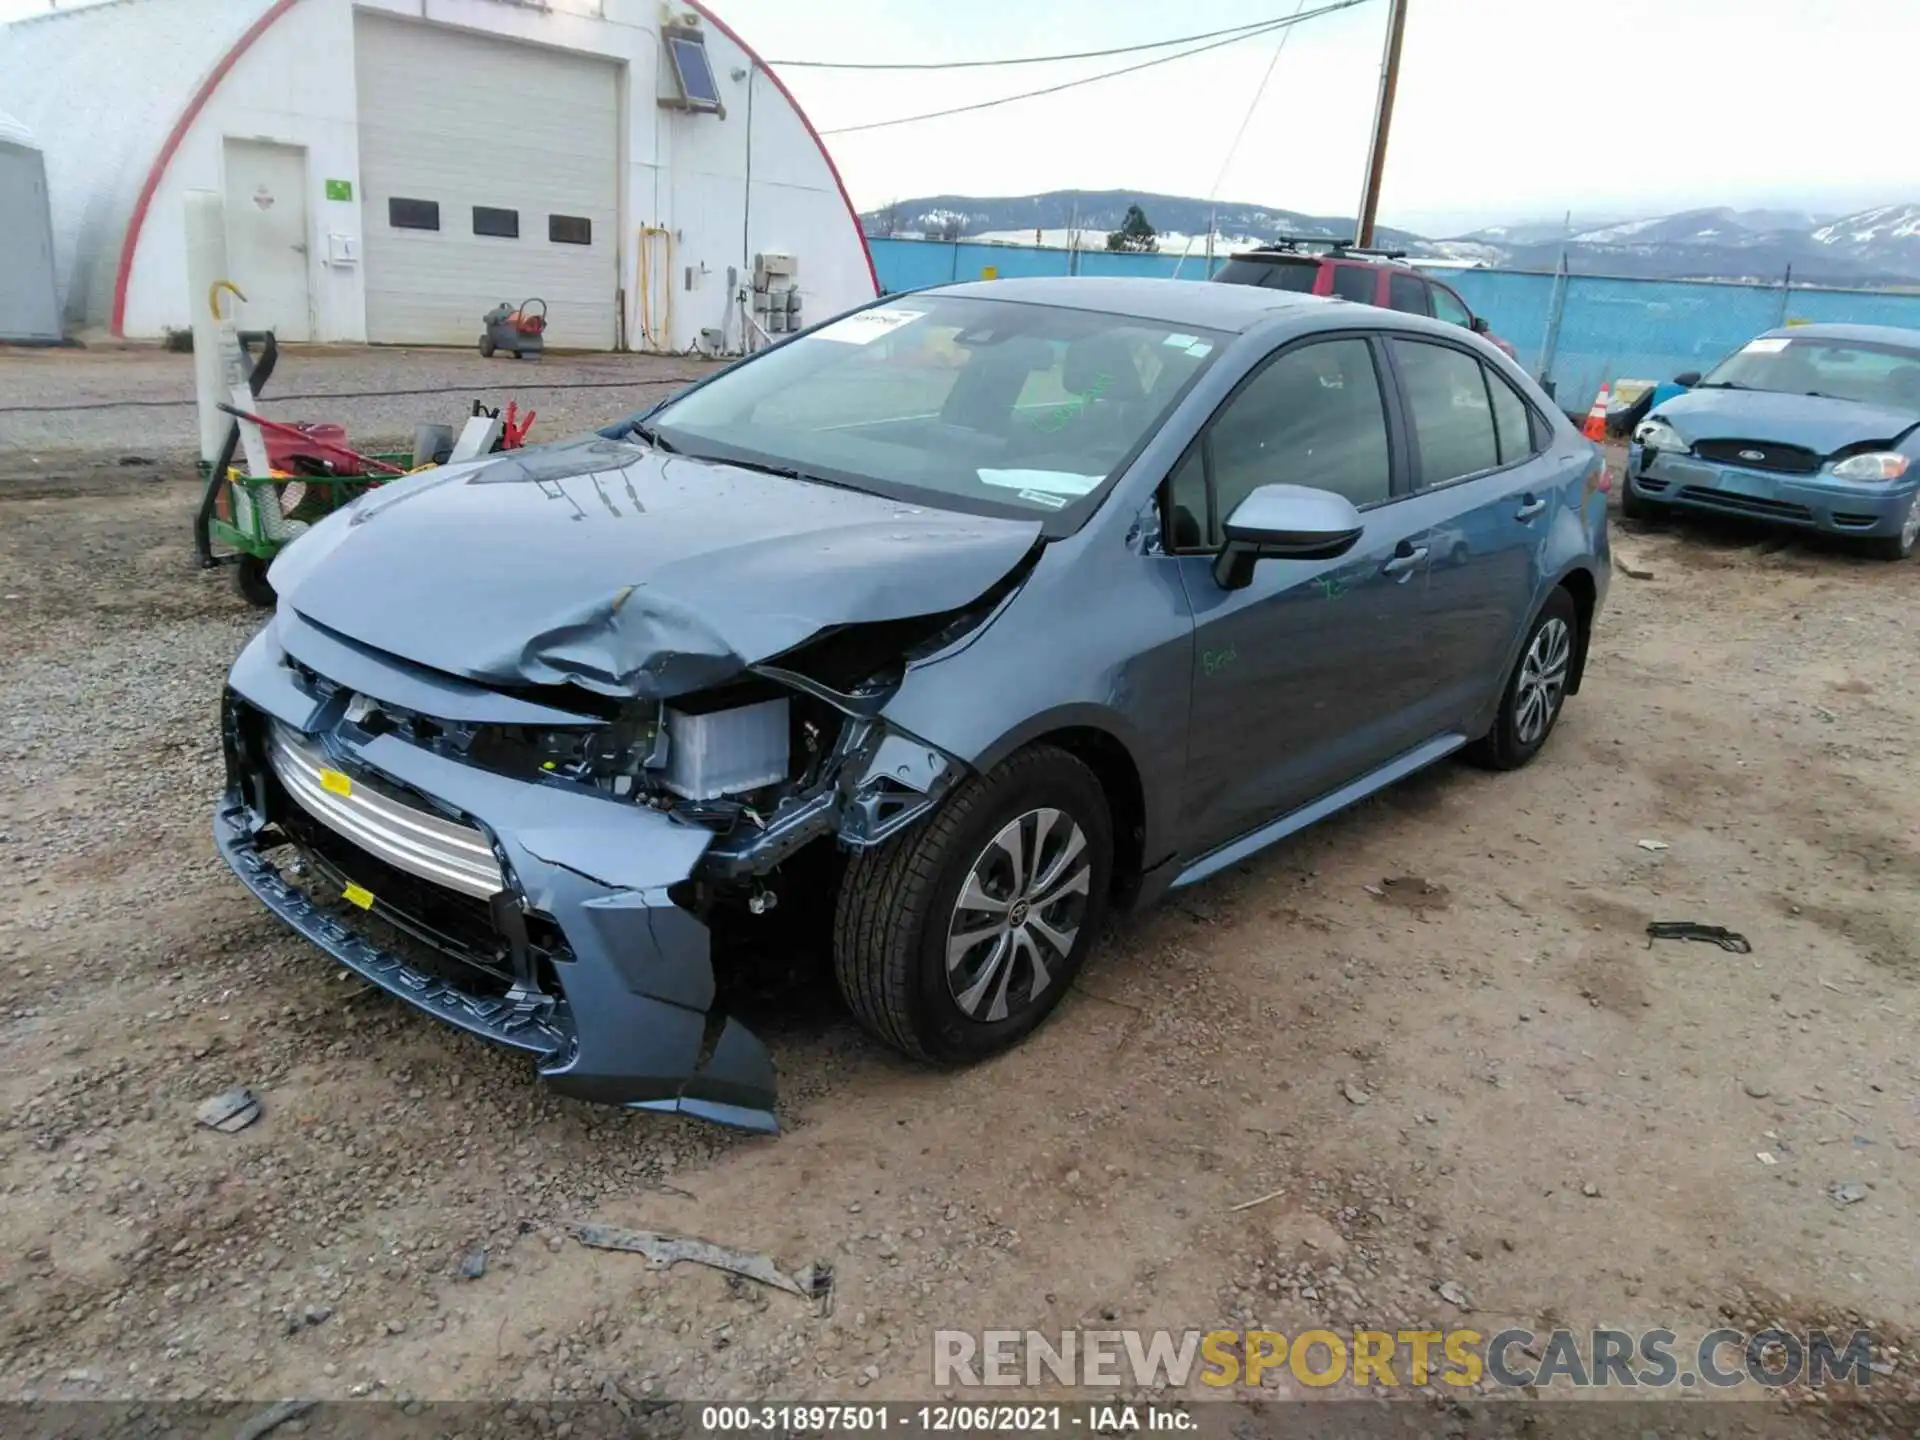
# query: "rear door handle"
{"points": [[1529, 507], [1402, 565]]}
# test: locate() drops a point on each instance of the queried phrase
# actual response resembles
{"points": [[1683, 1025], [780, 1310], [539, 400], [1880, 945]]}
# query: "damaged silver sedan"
{"points": [[987, 607]]}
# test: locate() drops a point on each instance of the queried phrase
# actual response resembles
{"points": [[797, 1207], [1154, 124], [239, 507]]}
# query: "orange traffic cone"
{"points": [[1596, 427]]}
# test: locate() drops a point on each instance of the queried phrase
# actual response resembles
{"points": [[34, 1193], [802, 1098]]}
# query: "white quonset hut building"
{"points": [[394, 168]]}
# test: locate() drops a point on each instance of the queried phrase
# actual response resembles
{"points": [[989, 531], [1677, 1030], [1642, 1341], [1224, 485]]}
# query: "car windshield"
{"points": [[1869, 372], [974, 404]]}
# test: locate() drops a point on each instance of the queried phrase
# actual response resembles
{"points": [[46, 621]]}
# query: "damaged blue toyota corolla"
{"points": [[997, 604]]}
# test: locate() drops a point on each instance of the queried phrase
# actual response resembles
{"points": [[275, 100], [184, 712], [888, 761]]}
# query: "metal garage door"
{"points": [[487, 173]]}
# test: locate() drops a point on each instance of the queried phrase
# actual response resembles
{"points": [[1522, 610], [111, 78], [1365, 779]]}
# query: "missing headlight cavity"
{"points": [[861, 659]]}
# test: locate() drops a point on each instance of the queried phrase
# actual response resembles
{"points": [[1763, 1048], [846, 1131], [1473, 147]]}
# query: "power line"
{"points": [[1238, 136], [1266, 29], [1251, 25]]}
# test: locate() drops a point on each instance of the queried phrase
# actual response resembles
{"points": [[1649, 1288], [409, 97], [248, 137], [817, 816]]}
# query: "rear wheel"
{"points": [[955, 939], [1899, 547], [1536, 690]]}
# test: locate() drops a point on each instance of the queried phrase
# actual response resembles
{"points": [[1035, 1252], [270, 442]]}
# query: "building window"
{"points": [[413, 214], [503, 223], [692, 73], [569, 229]]}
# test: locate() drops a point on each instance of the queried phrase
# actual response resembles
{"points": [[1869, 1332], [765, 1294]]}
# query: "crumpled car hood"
{"points": [[1820, 424], [627, 571]]}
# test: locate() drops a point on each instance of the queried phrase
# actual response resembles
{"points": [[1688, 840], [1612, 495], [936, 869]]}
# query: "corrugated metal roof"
{"points": [[100, 86]]}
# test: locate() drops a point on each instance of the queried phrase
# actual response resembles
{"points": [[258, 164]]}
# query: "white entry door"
{"points": [[267, 236]]}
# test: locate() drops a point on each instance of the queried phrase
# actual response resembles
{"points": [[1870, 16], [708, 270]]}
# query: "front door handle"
{"points": [[1529, 507], [1402, 563]]}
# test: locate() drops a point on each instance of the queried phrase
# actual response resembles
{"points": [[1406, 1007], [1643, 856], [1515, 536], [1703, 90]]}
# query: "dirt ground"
{"points": [[1479, 1077]]}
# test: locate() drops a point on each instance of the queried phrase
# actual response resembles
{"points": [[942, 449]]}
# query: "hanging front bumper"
{"points": [[579, 955]]}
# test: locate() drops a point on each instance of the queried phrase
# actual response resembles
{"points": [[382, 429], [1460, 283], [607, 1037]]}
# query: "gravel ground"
{"points": [[1476, 1086]]}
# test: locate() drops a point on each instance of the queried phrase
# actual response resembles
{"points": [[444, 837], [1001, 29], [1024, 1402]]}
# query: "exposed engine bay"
{"points": [[789, 752]]}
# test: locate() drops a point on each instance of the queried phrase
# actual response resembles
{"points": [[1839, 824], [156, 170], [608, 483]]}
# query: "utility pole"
{"points": [[1382, 122]]}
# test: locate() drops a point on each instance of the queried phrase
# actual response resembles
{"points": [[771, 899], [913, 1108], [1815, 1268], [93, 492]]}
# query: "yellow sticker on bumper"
{"points": [[336, 783], [359, 895]]}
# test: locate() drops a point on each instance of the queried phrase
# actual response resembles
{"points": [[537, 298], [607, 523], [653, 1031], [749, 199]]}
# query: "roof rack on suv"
{"points": [[1295, 244]]}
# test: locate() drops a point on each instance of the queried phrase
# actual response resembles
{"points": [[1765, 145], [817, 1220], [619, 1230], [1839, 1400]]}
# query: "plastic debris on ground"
{"points": [[230, 1110], [1693, 930], [815, 1283]]}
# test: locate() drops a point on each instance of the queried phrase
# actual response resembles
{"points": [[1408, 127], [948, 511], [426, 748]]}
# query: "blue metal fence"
{"points": [[910, 264], [1608, 329]]}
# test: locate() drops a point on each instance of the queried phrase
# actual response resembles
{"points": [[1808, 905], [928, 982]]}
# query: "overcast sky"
{"points": [[1508, 109]]}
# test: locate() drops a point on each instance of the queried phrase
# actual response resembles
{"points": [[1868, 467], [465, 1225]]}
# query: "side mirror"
{"points": [[1285, 522], [1480, 326], [1688, 378]]}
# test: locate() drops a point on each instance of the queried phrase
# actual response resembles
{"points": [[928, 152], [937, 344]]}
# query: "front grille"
{"points": [[1745, 504], [403, 834], [1759, 455], [424, 922]]}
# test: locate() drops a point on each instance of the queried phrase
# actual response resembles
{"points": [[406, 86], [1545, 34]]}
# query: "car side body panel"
{"points": [[1132, 663]]}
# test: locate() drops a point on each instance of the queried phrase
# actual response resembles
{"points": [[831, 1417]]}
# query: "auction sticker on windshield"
{"points": [[868, 326], [1051, 482], [1767, 345]]}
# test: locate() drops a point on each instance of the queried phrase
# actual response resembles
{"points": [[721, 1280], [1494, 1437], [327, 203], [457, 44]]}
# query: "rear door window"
{"points": [[1446, 394], [1448, 307], [1356, 282], [1408, 293], [1512, 420]]}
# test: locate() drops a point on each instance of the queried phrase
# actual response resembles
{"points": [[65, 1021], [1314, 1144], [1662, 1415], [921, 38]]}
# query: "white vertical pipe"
{"points": [[206, 265]]}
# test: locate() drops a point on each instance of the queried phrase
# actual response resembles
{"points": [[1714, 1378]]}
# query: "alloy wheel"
{"points": [[1018, 914], [1542, 682], [1910, 528]]}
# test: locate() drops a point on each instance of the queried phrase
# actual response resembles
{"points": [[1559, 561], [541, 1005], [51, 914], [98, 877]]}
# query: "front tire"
{"points": [[957, 938], [1536, 691], [486, 347], [1635, 506], [1901, 546]]}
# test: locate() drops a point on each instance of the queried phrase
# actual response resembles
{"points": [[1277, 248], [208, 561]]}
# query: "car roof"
{"points": [[1866, 334], [1233, 308]]}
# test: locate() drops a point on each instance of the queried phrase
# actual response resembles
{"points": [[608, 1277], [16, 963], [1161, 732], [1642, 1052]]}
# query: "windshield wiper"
{"points": [[1722, 385], [785, 472], [652, 436]]}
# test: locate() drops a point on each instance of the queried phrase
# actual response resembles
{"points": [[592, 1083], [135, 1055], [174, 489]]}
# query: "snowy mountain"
{"points": [[1889, 236], [1878, 247], [1096, 212]]}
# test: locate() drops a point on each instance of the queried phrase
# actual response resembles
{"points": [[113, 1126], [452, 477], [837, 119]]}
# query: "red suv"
{"points": [[1371, 277]]}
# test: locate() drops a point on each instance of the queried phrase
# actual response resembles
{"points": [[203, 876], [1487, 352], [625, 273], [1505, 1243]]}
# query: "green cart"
{"points": [[245, 520], [254, 516]]}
